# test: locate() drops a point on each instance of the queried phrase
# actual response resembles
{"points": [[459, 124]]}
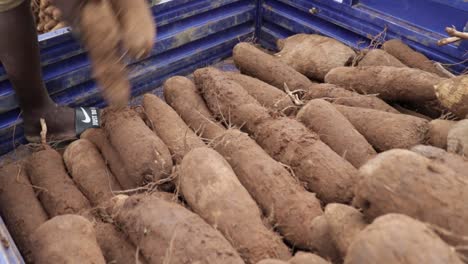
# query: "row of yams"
{"points": [[222, 187]]}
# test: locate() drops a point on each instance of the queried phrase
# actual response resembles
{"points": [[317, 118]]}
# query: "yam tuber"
{"points": [[453, 94], [307, 258], [439, 131], [457, 138], [456, 162], [378, 57]]}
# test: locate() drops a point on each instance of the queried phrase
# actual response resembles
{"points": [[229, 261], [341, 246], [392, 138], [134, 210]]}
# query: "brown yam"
{"points": [[256, 63], [166, 231], [307, 258], [457, 139], [272, 261], [213, 191], [267, 95], [115, 245], [386, 130], [285, 139], [112, 158], [453, 94], [410, 57], [389, 83], [401, 181], [144, 154], [341, 96], [19, 207], [407, 111], [345, 223], [323, 240], [183, 96], [438, 132], [378, 57], [456, 162], [336, 131], [178, 137], [101, 37], [137, 26], [89, 171], [57, 192], [313, 55], [400, 239], [66, 239]]}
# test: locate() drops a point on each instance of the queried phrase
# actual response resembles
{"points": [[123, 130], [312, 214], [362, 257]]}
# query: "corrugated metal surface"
{"points": [[420, 23], [191, 33]]}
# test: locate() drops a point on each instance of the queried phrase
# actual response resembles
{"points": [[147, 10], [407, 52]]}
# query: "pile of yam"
{"points": [[312, 155]]}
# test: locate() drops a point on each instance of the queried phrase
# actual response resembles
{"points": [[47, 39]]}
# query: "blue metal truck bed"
{"points": [[197, 33]]}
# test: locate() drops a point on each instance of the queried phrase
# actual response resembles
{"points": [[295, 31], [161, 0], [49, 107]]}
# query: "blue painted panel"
{"points": [[357, 23]]}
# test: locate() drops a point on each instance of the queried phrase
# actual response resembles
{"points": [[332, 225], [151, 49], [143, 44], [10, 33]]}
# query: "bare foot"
{"points": [[60, 121]]}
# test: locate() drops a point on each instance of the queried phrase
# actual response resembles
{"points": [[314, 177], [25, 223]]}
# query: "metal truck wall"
{"points": [[191, 34], [419, 23]]}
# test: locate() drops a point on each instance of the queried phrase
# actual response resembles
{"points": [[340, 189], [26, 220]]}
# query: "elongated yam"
{"points": [[410, 57], [137, 25], [89, 171], [101, 37], [345, 223], [390, 83], [66, 239], [386, 130], [341, 96], [336, 131], [144, 154], [314, 55], [457, 139], [285, 139], [307, 258], [279, 195], [175, 232], [183, 96], [453, 94], [378, 57], [439, 131], [323, 240], [267, 95], [98, 137], [401, 181], [178, 137], [256, 63], [399, 239], [456, 162], [213, 191], [58, 194], [19, 207], [115, 245]]}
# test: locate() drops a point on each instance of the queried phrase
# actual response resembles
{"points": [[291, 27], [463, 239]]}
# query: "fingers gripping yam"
{"points": [[287, 140], [89, 171], [145, 156], [66, 239], [307, 258], [345, 223], [101, 38], [137, 26], [179, 138], [386, 130], [399, 239], [213, 191], [389, 83], [98, 137], [163, 230], [58, 194], [336, 131], [183, 96], [314, 55], [256, 63], [400, 181], [19, 207]]}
